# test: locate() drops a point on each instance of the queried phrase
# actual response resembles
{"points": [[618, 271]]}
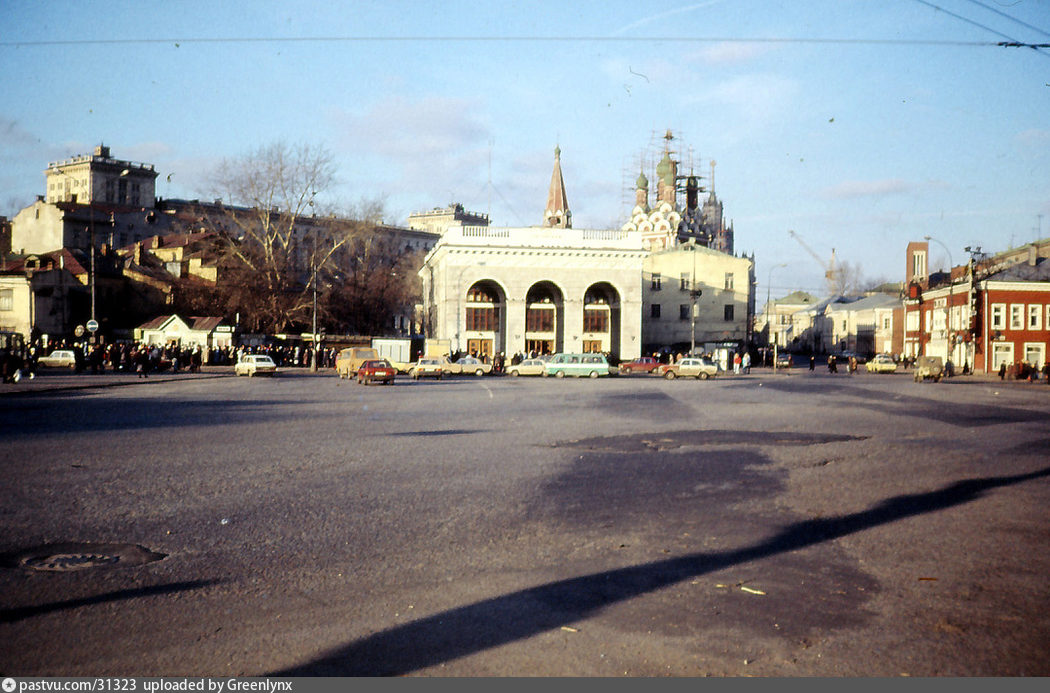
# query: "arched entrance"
{"points": [[544, 318], [601, 319], [483, 320]]}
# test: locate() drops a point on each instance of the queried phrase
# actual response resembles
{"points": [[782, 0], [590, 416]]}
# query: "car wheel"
{"points": [[479, 372], [594, 374], [704, 376], [559, 374], [514, 374], [670, 375]]}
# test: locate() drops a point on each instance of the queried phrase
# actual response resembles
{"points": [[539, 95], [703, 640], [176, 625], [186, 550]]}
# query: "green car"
{"points": [[577, 365]]}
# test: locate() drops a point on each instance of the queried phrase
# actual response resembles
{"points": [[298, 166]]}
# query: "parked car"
{"points": [[467, 365], [427, 368], [255, 364], [643, 364], [882, 363], [376, 371], [351, 358], [59, 358], [578, 365], [526, 367], [784, 360], [699, 367]]}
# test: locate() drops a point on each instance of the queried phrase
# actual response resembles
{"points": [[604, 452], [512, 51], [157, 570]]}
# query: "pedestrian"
{"points": [[746, 362], [812, 362], [1046, 371], [736, 363], [1002, 370]]}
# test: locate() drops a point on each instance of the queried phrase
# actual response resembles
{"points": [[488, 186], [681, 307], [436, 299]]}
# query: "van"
{"points": [[577, 365], [351, 358]]}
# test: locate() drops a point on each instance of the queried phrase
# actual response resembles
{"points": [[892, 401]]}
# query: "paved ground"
{"points": [[793, 524]]}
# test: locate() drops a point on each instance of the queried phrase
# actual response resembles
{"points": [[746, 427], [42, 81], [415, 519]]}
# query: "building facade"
{"points": [[492, 290], [696, 298], [991, 313]]}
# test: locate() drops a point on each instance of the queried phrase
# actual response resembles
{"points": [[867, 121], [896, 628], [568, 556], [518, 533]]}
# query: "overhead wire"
{"points": [[1010, 42]]}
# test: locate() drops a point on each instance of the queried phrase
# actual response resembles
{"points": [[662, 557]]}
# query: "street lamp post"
{"points": [[769, 323]]}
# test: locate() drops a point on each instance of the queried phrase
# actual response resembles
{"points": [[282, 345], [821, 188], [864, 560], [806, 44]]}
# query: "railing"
{"points": [[543, 237]]}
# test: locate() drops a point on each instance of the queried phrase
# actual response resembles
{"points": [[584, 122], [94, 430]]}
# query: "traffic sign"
{"points": [[92, 325]]}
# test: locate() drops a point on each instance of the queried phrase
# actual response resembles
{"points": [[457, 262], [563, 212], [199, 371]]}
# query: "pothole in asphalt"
{"points": [[63, 558]]}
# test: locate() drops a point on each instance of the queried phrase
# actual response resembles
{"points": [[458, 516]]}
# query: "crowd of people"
{"points": [[142, 359]]}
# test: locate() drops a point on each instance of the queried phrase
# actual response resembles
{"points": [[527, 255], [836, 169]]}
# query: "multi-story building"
{"points": [[438, 220], [993, 312], [696, 298], [99, 179]]}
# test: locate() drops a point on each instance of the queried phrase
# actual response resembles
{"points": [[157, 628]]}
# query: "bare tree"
{"points": [[277, 235]]}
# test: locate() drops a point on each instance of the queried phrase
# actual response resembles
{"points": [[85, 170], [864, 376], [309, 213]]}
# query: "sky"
{"points": [[859, 125]]}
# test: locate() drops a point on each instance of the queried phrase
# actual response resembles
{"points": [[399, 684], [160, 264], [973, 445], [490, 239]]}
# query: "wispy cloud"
{"points": [[854, 189], [661, 16], [1034, 138], [730, 53], [432, 146]]}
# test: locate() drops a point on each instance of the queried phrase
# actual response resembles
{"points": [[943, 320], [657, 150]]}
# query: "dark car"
{"points": [[376, 371], [643, 364]]}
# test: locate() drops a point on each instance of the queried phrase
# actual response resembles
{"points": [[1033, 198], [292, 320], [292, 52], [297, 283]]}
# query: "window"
{"points": [[654, 310], [655, 285], [911, 321], [918, 264], [1047, 321], [729, 281], [595, 320], [1035, 317], [728, 312], [998, 316], [939, 320], [683, 311], [685, 281], [482, 319], [539, 319], [887, 322], [1016, 316], [7, 299]]}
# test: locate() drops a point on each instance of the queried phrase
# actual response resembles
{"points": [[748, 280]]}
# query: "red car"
{"points": [[379, 371], [644, 364]]}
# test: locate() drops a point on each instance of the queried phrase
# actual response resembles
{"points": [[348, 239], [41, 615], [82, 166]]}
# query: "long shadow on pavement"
{"points": [[519, 615]]}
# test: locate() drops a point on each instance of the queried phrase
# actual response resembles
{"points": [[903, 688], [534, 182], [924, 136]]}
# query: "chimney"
{"points": [[1033, 254]]}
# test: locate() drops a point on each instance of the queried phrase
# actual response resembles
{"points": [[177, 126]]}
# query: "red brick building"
{"points": [[991, 312]]}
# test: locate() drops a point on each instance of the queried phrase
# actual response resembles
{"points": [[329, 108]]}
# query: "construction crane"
{"points": [[831, 272]]}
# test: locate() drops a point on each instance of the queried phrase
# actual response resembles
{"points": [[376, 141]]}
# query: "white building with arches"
{"points": [[545, 289]]}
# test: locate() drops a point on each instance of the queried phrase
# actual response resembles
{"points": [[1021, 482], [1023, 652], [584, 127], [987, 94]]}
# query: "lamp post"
{"points": [[695, 293], [769, 324]]}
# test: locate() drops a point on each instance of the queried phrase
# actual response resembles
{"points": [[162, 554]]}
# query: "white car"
{"points": [[59, 358], [527, 367], [255, 364]]}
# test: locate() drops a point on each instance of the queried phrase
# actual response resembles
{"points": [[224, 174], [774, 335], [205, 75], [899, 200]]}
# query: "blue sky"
{"points": [[859, 124]]}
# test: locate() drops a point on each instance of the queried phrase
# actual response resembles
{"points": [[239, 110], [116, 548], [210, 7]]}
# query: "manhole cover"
{"points": [[68, 557]]}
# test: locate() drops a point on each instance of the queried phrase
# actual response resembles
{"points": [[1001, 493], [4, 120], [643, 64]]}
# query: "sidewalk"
{"points": [[54, 379]]}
